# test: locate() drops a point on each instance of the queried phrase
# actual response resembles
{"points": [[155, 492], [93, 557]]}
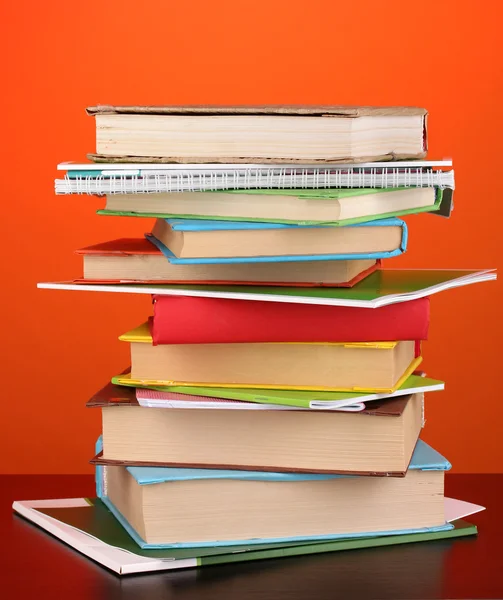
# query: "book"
{"points": [[185, 241], [317, 400], [378, 440], [87, 525], [137, 178], [206, 134], [363, 366], [125, 395], [130, 260], [290, 207], [180, 507], [191, 320], [150, 398], [383, 287]]}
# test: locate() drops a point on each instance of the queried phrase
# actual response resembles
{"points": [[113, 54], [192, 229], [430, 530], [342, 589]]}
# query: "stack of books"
{"points": [[274, 402]]}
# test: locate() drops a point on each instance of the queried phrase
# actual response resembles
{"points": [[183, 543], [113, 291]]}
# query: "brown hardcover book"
{"points": [[258, 134], [376, 441], [130, 260]]}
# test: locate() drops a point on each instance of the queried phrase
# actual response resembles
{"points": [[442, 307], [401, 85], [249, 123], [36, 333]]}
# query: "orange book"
{"points": [[131, 260]]}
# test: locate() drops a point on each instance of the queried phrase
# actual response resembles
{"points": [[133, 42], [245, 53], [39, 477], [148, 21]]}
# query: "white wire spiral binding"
{"points": [[266, 178]]}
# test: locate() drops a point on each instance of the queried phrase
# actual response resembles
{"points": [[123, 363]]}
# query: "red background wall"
{"points": [[58, 348]]}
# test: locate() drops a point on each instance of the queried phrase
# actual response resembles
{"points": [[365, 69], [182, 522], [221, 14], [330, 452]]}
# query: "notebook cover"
{"points": [[89, 527], [343, 222], [383, 287], [320, 400], [118, 395], [245, 225], [142, 247], [190, 320]]}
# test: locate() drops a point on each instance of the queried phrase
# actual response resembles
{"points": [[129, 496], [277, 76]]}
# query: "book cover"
{"points": [[138, 247], [87, 525], [318, 400], [383, 287], [119, 395], [299, 112], [299, 193], [142, 335], [191, 320], [424, 458], [208, 225]]}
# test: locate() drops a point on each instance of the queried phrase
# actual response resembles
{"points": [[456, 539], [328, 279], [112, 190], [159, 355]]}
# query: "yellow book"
{"points": [[354, 367]]}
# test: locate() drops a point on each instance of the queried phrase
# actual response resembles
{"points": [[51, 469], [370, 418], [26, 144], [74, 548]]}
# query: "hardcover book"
{"points": [[337, 366], [377, 440], [222, 134], [127, 261], [175, 507], [191, 320], [336, 207], [221, 242]]}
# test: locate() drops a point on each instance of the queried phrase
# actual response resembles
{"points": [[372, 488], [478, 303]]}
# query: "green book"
{"points": [[90, 528], [383, 287], [304, 197]]}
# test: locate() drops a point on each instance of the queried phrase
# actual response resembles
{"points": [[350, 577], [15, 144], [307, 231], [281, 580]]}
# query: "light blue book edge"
{"points": [[424, 458], [317, 538], [190, 225], [180, 224]]}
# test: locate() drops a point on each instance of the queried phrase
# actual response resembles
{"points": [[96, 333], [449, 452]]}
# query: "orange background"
{"points": [[59, 347]]}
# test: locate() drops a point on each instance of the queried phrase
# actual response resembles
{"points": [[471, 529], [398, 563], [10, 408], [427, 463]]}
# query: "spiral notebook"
{"points": [[137, 178]]}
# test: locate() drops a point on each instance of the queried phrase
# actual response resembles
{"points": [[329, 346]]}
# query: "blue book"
{"points": [[265, 242], [212, 507]]}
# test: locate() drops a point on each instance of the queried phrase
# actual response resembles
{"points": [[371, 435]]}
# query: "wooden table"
{"points": [[36, 566]]}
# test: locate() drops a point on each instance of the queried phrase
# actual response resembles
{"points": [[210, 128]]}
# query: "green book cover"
{"points": [[296, 398], [383, 287], [319, 194]]}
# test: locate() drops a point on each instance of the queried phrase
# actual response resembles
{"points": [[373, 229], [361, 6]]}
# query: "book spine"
{"points": [[190, 320], [258, 178]]}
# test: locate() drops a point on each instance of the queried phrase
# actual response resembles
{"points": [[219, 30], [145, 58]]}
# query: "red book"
{"points": [[186, 320]]}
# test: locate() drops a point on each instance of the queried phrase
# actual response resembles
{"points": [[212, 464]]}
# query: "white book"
{"points": [[128, 561], [138, 178], [384, 287]]}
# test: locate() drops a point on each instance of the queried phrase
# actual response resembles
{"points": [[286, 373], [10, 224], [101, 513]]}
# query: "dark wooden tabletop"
{"points": [[35, 565]]}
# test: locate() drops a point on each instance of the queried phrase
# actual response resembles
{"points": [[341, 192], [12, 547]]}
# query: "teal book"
{"points": [[194, 226], [213, 502], [86, 525]]}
